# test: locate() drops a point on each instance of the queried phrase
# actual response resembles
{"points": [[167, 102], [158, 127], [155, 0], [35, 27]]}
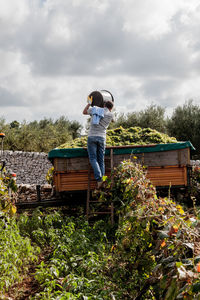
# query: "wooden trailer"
{"points": [[167, 164]]}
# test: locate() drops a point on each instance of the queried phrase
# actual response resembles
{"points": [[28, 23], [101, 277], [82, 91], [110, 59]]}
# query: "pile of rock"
{"points": [[30, 167], [28, 192], [195, 162]]}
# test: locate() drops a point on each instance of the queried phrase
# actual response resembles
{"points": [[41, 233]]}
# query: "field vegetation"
{"points": [[152, 251], [38, 136]]}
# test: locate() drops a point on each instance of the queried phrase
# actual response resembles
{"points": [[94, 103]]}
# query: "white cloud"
{"points": [[53, 53], [153, 18]]}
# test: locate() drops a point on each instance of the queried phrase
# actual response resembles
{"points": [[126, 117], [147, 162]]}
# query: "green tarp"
{"points": [[82, 152]]}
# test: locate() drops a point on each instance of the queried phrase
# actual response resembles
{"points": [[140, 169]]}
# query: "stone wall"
{"points": [[30, 167]]}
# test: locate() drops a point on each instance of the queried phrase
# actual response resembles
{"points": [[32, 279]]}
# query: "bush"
{"points": [[156, 250], [16, 253], [152, 252], [8, 188]]}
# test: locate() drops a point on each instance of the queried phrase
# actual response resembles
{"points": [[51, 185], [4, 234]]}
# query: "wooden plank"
{"points": [[68, 164], [171, 175], [162, 158], [185, 176], [58, 182], [76, 181], [154, 159], [179, 157], [160, 176]]}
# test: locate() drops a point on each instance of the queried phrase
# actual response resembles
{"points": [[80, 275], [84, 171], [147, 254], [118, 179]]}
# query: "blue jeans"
{"points": [[96, 150]]}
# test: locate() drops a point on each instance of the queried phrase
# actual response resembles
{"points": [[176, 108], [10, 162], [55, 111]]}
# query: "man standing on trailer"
{"points": [[96, 144]]}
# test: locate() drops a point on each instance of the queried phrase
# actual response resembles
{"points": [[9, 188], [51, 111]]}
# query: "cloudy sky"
{"points": [[53, 53]]}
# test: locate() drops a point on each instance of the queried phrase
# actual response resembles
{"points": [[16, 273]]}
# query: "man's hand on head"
{"points": [[85, 111]]}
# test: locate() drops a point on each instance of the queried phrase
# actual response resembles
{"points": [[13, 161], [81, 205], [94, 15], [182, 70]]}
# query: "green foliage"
{"points": [[152, 116], [151, 253], [16, 252], [76, 264], [195, 184], [154, 254], [156, 250], [8, 188], [126, 136], [40, 136], [185, 123], [49, 176]]}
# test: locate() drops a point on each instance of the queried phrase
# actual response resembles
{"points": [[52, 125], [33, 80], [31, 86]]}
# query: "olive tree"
{"points": [[153, 117], [184, 123]]}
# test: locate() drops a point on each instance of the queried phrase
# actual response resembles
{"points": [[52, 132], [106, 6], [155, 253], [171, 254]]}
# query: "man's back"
{"points": [[100, 129]]}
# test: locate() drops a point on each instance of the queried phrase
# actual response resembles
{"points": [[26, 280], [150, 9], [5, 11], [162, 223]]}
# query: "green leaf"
{"points": [[197, 259], [178, 264], [196, 287], [172, 290]]}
